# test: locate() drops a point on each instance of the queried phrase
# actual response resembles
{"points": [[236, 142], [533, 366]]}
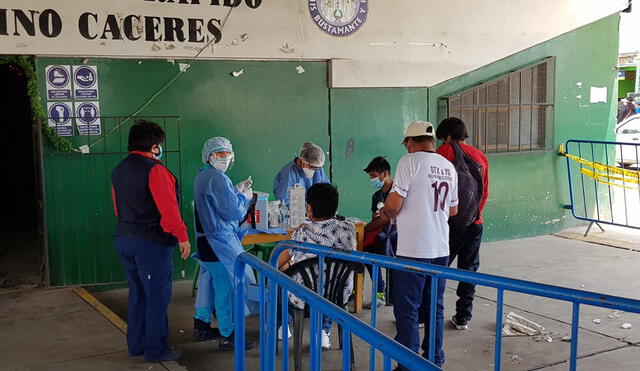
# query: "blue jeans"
{"points": [[223, 300], [148, 266], [411, 303]]}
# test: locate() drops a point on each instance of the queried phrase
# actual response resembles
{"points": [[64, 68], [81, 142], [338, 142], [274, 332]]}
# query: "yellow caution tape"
{"points": [[605, 171], [602, 178]]}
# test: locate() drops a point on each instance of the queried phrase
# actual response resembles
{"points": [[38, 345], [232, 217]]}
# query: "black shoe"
{"points": [[460, 324], [203, 331], [227, 344], [172, 356]]}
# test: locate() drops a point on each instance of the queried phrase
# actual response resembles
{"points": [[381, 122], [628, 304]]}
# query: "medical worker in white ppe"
{"points": [[219, 207], [306, 170]]}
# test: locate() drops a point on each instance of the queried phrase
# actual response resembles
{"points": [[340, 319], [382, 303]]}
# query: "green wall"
{"points": [[267, 113], [529, 189], [366, 123], [270, 110]]}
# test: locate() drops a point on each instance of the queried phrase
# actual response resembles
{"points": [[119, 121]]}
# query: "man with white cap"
{"points": [[306, 170], [423, 197]]}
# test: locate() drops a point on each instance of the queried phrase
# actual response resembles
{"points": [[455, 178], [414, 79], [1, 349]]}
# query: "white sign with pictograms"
{"points": [[58, 82], [88, 118], [60, 114], [85, 82]]}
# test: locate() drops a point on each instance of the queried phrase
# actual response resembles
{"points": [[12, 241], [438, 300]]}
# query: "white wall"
{"points": [[402, 43], [630, 30]]}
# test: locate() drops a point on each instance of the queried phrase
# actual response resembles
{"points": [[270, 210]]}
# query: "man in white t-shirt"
{"points": [[423, 197]]}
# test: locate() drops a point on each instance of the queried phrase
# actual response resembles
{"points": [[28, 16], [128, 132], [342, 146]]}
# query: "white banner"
{"points": [[372, 43]]}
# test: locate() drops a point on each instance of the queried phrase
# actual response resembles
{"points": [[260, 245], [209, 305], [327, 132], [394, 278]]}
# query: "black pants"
{"points": [[465, 245]]}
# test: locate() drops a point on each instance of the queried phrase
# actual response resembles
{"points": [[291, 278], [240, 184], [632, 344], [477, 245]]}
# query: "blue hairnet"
{"points": [[216, 144]]}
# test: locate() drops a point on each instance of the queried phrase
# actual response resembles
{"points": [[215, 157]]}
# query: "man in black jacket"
{"points": [[145, 199]]}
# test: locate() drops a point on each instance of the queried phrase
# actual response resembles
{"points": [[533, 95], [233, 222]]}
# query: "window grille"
{"points": [[512, 113]]}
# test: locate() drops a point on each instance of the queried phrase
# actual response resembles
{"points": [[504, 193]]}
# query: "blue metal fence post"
{"points": [[263, 323], [346, 350], [285, 330], [432, 317], [374, 317], [272, 318], [239, 316], [313, 339], [575, 324], [499, 310]]}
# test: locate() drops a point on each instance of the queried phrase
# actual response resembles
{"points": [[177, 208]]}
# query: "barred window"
{"points": [[512, 113]]}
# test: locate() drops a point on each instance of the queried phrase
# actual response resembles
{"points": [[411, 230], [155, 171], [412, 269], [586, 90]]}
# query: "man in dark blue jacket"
{"points": [[145, 199]]}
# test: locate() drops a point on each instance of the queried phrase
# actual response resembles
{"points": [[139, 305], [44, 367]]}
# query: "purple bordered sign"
{"points": [[339, 17]]}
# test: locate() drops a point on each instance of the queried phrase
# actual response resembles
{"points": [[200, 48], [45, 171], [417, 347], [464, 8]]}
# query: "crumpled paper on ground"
{"points": [[516, 325]]}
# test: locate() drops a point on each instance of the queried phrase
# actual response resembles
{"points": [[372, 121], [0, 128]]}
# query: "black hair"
{"points": [[323, 198], [452, 126], [145, 134], [423, 138], [378, 164]]}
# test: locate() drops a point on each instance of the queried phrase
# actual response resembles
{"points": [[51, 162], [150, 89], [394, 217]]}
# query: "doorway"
{"points": [[21, 253]]}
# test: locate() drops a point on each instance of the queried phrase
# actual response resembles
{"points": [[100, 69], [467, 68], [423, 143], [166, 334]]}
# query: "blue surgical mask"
{"points": [[376, 182], [159, 155]]}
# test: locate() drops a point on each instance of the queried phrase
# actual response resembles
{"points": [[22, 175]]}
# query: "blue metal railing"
{"points": [[609, 197], [270, 281], [577, 297]]}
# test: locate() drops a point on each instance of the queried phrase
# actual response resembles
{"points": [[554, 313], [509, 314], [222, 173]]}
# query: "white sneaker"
{"points": [[325, 340], [280, 332]]}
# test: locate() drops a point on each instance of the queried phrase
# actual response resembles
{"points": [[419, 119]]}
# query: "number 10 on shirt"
{"points": [[438, 189]]}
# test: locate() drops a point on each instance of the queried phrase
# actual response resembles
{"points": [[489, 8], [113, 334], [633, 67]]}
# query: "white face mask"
{"points": [[221, 164], [308, 172]]}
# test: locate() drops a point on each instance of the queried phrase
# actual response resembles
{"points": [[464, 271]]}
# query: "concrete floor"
{"points": [[56, 330]]}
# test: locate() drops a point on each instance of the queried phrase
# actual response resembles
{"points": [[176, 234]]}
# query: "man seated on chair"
{"points": [[324, 229]]}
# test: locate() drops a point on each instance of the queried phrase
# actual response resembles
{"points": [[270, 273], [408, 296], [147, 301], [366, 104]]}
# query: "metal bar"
{"points": [[387, 362], [588, 229], [349, 323], [531, 112], [606, 161], [497, 361], [374, 311], [261, 295], [313, 341], [285, 329], [511, 284], [272, 336], [624, 188], [575, 324], [520, 111], [595, 184], [486, 121], [571, 197], [346, 350], [433, 303], [584, 194], [240, 362], [319, 317]]}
